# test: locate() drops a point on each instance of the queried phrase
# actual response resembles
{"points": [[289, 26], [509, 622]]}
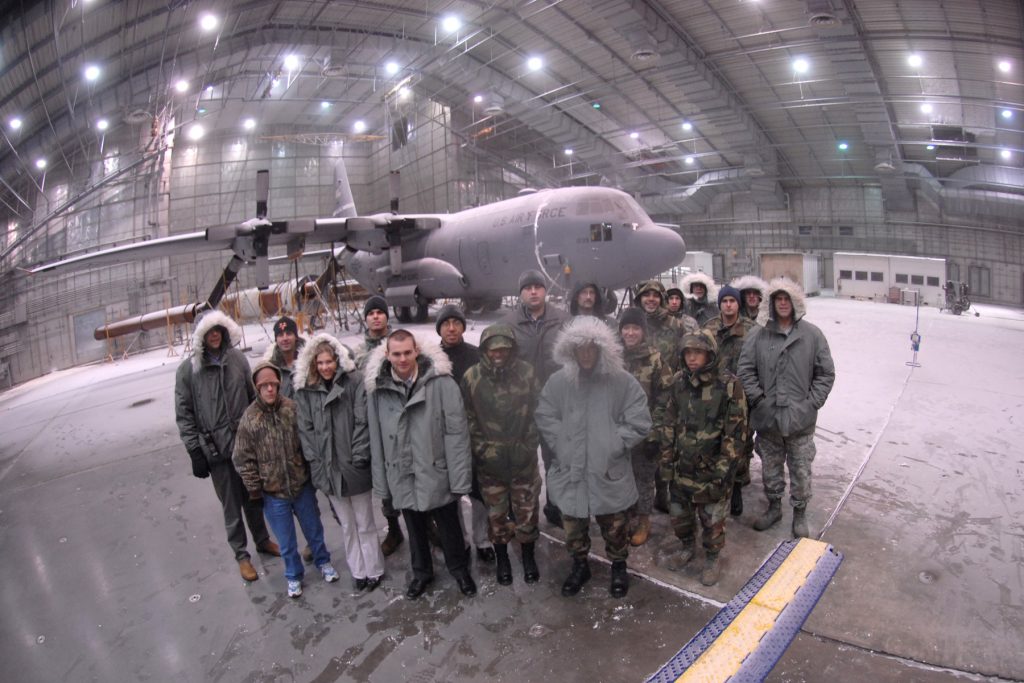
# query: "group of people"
{"points": [[656, 409]]}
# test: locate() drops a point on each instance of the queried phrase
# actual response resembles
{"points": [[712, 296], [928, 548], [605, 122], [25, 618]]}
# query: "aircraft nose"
{"points": [[666, 247]]}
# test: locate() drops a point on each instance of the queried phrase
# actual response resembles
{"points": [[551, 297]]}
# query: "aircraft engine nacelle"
{"points": [[433, 278]]}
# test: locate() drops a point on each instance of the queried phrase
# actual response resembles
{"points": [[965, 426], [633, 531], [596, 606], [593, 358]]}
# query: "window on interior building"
{"points": [[902, 279], [980, 280], [933, 281], [804, 229], [845, 274], [876, 277], [861, 275], [917, 279], [846, 231]]}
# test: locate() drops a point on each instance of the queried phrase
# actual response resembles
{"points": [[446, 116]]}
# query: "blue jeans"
{"points": [[278, 512]]}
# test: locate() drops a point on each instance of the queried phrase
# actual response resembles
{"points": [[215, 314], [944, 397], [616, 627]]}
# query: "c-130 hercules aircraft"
{"points": [[585, 234]]}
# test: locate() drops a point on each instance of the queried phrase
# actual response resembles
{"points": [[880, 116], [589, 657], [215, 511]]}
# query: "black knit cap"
{"points": [[375, 303], [532, 277], [285, 324], [633, 316], [449, 311]]}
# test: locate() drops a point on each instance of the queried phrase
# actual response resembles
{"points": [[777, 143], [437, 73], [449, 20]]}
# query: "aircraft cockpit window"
{"points": [[600, 232]]}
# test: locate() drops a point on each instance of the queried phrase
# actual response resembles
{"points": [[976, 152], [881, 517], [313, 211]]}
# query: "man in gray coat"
{"points": [[787, 374], [212, 389], [419, 449], [592, 412]]}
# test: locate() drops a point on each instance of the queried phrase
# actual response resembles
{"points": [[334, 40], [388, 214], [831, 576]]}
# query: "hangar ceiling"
{"points": [[672, 100]]}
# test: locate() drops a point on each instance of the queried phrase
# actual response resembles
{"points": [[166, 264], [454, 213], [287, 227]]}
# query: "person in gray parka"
{"points": [[787, 373], [419, 447], [331, 402], [212, 389], [592, 412]]}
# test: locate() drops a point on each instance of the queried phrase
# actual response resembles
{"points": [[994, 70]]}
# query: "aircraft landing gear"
{"points": [[478, 306], [412, 314]]}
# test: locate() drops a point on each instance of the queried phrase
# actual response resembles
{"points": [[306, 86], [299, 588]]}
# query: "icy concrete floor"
{"points": [[115, 565]]}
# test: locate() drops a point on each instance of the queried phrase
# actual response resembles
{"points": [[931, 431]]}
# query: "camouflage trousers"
{"points": [[776, 453], [644, 469], [520, 495], [743, 466], [712, 518], [614, 529]]}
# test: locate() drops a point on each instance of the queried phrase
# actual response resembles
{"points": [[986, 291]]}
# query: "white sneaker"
{"points": [[294, 589], [329, 572]]}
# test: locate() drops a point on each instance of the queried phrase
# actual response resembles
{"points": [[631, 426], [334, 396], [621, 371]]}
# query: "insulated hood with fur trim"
{"points": [[210, 320], [699, 278], [582, 330], [745, 282], [796, 295], [430, 355], [305, 362]]}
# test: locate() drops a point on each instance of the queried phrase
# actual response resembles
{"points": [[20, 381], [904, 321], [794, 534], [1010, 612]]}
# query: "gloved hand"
{"points": [[200, 467]]}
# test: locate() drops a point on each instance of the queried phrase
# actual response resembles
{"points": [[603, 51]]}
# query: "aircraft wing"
{"points": [[189, 243]]}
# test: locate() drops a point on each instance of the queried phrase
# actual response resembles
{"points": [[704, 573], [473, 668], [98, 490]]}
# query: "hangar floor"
{"points": [[116, 567]]}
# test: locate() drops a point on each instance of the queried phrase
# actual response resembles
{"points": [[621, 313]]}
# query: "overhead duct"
{"points": [[698, 197], [972, 202]]}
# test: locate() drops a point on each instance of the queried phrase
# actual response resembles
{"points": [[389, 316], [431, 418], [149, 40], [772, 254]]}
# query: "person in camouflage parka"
{"points": [[702, 440], [643, 361], [666, 331], [500, 393]]}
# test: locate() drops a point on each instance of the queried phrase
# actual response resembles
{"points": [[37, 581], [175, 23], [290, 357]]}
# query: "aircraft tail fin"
{"points": [[344, 204]]}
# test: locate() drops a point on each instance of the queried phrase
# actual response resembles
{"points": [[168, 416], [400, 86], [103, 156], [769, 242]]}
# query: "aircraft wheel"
{"points": [[403, 313], [420, 313], [473, 306], [491, 305]]}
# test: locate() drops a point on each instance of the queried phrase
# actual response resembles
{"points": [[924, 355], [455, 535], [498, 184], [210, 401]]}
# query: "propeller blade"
{"points": [[224, 282], [262, 192]]}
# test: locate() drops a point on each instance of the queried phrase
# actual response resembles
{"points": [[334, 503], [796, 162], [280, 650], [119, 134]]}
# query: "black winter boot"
{"points": [[393, 539], [503, 571], [772, 515], [661, 496], [736, 505], [620, 579], [800, 522], [579, 575], [530, 572]]}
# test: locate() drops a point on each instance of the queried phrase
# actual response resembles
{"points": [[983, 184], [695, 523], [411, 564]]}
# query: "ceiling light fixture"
{"points": [[391, 68], [1006, 114], [249, 124], [568, 151], [689, 161], [196, 132], [403, 92], [325, 105], [91, 72], [926, 108], [291, 62], [596, 105], [915, 60], [451, 24], [478, 99], [634, 135], [40, 164], [208, 22], [1005, 66], [359, 126], [801, 65], [687, 126], [534, 63], [181, 86], [102, 124], [15, 123], [843, 146], [930, 148], [1005, 154]]}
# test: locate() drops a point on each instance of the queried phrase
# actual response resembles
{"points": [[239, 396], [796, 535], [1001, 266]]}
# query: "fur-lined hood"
{"points": [[306, 361], [699, 278], [796, 294], [431, 355], [750, 282], [579, 331], [208, 321]]}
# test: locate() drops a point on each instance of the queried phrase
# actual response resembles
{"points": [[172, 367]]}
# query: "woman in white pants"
{"points": [[331, 401]]}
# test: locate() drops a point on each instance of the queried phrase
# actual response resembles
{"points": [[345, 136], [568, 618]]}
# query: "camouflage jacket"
{"points": [[702, 439], [499, 409], [268, 455], [655, 377], [369, 344], [666, 334], [730, 339]]}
